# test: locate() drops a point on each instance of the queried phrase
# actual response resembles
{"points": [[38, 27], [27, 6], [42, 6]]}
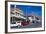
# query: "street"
{"points": [[33, 25]]}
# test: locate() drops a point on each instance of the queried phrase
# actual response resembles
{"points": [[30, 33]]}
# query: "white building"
{"points": [[16, 17], [34, 18], [18, 13]]}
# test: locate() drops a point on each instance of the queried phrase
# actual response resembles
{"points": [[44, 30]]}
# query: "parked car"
{"points": [[15, 24], [25, 23]]}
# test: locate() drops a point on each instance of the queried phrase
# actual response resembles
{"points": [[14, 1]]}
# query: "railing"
{"points": [[19, 16]]}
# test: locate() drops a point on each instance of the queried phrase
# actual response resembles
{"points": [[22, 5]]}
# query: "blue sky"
{"points": [[27, 10], [37, 10]]}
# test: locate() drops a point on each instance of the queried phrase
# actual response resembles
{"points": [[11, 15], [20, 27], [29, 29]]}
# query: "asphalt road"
{"points": [[33, 25]]}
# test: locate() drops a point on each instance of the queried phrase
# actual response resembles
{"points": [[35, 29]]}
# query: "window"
{"points": [[13, 21]]}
